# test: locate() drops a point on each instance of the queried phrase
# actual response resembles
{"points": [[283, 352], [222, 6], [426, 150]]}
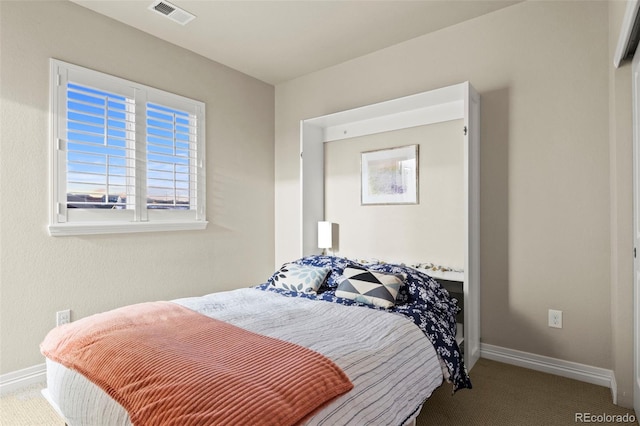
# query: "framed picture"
{"points": [[390, 176]]}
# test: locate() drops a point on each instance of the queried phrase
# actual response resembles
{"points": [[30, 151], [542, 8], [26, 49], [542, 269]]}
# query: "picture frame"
{"points": [[390, 176]]}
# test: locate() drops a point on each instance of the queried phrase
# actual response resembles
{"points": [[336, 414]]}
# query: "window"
{"points": [[125, 157]]}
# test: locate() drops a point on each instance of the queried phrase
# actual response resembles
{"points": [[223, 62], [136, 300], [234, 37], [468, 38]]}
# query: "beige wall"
{"points": [[542, 71], [430, 231], [39, 274], [555, 183]]}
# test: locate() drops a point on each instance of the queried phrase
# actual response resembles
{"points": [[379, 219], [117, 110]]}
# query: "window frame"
{"points": [[64, 221]]}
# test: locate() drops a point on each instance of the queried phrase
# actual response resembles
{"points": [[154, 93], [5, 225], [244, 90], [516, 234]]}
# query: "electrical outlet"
{"points": [[555, 318], [63, 317]]}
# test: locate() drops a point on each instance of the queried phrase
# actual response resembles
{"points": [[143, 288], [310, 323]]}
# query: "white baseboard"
{"points": [[559, 367], [21, 379]]}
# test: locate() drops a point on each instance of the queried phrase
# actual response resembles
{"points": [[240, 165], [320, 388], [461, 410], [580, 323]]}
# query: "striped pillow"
{"points": [[369, 287]]}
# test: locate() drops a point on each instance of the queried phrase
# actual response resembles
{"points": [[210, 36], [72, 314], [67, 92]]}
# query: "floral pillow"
{"points": [[300, 278], [335, 264]]}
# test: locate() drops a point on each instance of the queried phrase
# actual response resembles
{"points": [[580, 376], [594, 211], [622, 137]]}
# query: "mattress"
{"points": [[390, 361]]}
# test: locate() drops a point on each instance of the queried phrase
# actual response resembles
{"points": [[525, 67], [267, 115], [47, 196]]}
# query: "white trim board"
{"points": [[572, 370], [20, 379]]}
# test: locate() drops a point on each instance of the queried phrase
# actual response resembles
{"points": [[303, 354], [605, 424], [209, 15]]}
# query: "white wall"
{"points": [[39, 274], [542, 71]]}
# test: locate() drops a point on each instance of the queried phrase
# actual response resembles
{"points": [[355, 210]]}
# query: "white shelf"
{"points": [[444, 275]]}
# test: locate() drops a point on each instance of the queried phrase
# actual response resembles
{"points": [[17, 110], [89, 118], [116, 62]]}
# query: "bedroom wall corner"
{"points": [[621, 205], [39, 274]]}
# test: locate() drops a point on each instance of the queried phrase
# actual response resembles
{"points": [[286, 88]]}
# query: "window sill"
{"points": [[93, 228]]}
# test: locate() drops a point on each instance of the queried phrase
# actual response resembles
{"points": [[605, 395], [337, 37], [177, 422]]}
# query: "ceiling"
{"points": [[276, 41]]}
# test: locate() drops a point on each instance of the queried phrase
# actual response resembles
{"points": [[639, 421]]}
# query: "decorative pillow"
{"points": [[336, 264], [370, 287], [300, 278]]}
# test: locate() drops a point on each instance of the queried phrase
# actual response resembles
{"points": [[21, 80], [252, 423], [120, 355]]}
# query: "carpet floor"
{"points": [[506, 395], [502, 395]]}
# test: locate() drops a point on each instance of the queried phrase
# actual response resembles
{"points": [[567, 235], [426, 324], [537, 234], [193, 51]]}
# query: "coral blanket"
{"points": [[168, 365]]}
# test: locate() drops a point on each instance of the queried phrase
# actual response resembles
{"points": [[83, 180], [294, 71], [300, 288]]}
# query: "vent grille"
{"points": [[164, 8], [172, 12]]}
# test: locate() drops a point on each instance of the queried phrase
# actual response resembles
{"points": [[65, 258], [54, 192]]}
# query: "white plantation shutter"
{"points": [[171, 156], [100, 143], [125, 157]]}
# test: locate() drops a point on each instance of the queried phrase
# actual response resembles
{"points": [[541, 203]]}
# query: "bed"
{"points": [[394, 353]]}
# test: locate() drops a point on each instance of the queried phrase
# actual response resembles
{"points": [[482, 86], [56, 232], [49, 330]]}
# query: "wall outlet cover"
{"points": [[555, 318]]}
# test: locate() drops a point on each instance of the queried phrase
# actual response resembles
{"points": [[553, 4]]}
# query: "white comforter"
{"points": [[393, 366]]}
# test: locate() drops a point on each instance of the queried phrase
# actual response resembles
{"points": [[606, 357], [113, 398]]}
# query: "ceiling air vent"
{"points": [[172, 12]]}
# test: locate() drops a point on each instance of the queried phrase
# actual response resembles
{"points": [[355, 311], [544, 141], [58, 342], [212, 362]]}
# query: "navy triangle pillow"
{"points": [[369, 287]]}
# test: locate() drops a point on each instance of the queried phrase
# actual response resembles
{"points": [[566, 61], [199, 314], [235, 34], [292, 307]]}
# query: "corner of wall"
{"points": [[621, 216]]}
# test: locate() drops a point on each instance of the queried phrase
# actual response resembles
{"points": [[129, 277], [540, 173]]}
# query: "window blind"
{"points": [[171, 158], [125, 157], [100, 149]]}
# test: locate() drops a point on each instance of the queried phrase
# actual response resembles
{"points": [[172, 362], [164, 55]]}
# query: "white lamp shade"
{"points": [[325, 235]]}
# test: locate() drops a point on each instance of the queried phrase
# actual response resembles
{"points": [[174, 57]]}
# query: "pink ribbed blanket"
{"points": [[168, 365]]}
